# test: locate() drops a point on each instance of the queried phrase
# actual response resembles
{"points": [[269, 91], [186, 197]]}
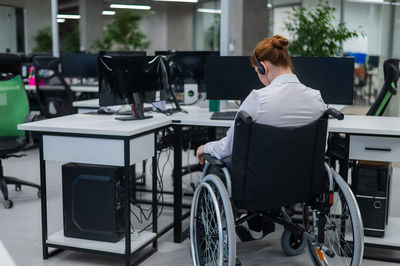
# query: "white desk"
{"points": [[361, 132], [74, 88], [98, 139], [86, 106]]}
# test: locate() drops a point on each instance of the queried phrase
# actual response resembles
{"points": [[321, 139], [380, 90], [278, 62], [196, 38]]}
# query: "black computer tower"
{"points": [[371, 187], [92, 206]]}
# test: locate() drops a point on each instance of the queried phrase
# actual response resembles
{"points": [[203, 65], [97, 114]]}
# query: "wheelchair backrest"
{"points": [[273, 167]]}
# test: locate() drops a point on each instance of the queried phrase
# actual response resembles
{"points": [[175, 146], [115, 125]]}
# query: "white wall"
{"points": [[180, 26], [8, 31], [396, 37], [374, 21], [203, 21], [155, 27], [37, 17]]}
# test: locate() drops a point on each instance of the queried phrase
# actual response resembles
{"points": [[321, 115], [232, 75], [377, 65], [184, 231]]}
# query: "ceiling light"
{"points": [[108, 12], [60, 20], [187, 1], [130, 6], [209, 10], [369, 1], [269, 5], [69, 16]]}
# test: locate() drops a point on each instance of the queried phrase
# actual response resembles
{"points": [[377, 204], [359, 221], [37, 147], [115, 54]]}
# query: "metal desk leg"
{"points": [[127, 188], [344, 168], [154, 192], [43, 198], [178, 184]]}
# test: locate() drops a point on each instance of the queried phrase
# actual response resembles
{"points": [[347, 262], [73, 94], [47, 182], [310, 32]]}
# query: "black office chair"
{"points": [[54, 95], [14, 110], [273, 168], [391, 76]]}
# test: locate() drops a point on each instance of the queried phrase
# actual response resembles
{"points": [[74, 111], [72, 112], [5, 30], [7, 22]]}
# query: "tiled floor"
{"points": [[20, 227]]}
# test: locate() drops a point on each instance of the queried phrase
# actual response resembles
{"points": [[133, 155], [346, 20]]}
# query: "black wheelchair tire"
{"points": [[289, 246]]}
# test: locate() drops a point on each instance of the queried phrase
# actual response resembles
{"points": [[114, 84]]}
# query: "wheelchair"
{"points": [[271, 170]]}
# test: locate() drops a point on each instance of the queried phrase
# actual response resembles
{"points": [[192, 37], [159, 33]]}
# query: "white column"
{"points": [[54, 28], [224, 27]]}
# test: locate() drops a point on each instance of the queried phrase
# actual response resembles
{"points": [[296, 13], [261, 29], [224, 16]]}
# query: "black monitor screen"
{"points": [[79, 65], [191, 64], [230, 77], [233, 78], [332, 76], [373, 61], [10, 64], [121, 76]]}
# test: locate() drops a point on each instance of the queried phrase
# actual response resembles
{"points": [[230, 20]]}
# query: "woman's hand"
{"points": [[199, 154]]}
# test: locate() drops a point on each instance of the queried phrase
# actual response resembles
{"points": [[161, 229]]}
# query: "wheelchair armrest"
{"points": [[335, 113], [213, 160]]}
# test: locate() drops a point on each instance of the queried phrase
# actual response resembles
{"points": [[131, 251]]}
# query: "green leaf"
{"points": [[315, 32], [124, 32]]}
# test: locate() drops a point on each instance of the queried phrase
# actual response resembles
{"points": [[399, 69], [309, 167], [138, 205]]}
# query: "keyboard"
{"points": [[229, 115]]}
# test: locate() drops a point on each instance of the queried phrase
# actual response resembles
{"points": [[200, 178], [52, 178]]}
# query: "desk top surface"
{"points": [[75, 88], [196, 116], [96, 124], [92, 103]]}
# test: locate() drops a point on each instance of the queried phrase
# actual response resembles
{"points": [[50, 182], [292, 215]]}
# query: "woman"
{"points": [[283, 102]]}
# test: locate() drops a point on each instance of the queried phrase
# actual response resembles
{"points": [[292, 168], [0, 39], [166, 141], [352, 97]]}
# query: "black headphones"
{"points": [[260, 67]]}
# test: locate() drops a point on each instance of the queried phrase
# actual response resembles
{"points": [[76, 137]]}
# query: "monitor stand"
{"points": [[137, 110]]}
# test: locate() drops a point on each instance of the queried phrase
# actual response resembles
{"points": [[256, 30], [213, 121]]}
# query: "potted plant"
{"points": [[315, 32], [124, 33]]}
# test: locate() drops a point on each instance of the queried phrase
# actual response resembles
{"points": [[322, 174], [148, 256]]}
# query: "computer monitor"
{"points": [[10, 65], [373, 61], [191, 64], [230, 77], [332, 76], [131, 80], [79, 65], [187, 67], [233, 78]]}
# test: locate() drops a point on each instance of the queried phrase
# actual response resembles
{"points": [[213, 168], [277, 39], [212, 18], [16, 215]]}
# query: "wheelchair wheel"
{"points": [[290, 245], [337, 227], [212, 229]]}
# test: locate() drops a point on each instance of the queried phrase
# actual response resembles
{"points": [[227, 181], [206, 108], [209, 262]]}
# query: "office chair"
{"points": [[54, 95], [14, 109], [391, 76]]}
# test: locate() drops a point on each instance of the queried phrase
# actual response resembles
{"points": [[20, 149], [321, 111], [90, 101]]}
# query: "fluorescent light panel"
{"points": [[186, 1], [209, 10], [130, 6], [60, 20], [108, 12], [370, 1], [69, 16]]}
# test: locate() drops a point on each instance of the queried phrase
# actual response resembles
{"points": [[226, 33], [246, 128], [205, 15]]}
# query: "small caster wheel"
{"points": [[8, 204], [290, 245], [39, 194], [17, 187]]}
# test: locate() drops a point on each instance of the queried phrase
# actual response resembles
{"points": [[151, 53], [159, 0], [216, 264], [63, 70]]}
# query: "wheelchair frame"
{"points": [[301, 235]]}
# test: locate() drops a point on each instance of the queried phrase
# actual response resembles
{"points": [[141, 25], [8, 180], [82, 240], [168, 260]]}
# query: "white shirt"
{"points": [[285, 102]]}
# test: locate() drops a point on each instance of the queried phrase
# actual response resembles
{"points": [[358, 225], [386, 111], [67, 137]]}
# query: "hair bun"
{"points": [[279, 42]]}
